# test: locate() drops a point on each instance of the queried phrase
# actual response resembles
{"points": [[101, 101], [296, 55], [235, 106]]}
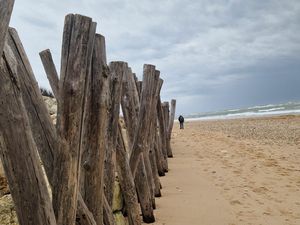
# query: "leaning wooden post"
{"points": [[18, 150], [127, 181], [51, 72], [171, 122], [42, 128], [79, 33], [6, 7], [130, 107], [160, 160], [94, 136], [139, 142], [130, 104]]}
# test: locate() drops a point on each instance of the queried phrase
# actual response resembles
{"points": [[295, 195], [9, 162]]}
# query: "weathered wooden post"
{"points": [[51, 72], [127, 181], [42, 128], [118, 69], [160, 160], [6, 7], [130, 104], [166, 112], [17, 146], [79, 34], [162, 132], [94, 136], [171, 122]]}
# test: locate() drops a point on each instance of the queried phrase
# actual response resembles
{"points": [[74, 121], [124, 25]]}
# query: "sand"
{"points": [[229, 172]]}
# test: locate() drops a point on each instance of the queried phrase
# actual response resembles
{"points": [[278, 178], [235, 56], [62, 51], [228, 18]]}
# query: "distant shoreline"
{"points": [[225, 117]]}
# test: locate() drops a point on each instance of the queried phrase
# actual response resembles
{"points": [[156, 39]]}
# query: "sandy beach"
{"points": [[229, 172]]}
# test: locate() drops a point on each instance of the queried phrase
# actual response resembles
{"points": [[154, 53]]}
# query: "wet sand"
{"points": [[230, 172]]}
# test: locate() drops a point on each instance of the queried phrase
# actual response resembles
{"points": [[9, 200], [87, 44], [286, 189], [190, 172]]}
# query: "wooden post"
{"points": [[160, 160], [94, 135], [6, 7], [18, 150], [41, 125], [117, 71], [139, 88], [139, 142], [130, 107], [42, 128], [162, 132], [166, 112], [171, 122], [79, 33], [143, 191], [127, 181], [50, 70], [108, 218], [152, 134]]}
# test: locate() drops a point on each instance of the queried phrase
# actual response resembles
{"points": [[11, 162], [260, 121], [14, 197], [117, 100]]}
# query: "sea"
{"points": [[289, 108]]}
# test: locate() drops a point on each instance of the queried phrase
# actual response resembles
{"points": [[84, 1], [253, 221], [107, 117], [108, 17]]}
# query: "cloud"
{"points": [[212, 54]]}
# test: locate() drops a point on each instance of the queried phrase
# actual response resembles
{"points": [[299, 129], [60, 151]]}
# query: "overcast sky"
{"points": [[212, 54]]}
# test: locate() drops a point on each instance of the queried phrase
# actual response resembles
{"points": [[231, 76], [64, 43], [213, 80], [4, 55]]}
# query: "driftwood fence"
{"points": [[87, 147]]}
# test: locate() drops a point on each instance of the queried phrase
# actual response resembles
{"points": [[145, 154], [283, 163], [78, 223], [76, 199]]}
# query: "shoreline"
{"points": [[232, 117]]}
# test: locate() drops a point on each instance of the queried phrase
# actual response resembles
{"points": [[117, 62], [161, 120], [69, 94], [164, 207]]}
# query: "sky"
{"points": [[212, 54]]}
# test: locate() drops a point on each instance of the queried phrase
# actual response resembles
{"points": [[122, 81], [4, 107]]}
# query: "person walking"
{"points": [[181, 121]]}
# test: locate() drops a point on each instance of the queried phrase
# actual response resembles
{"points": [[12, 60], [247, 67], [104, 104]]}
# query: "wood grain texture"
{"points": [[51, 71], [94, 136], [117, 72], [170, 127], [78, 41], [127, 181], [6, 7], [130, 107], [18, 149]]}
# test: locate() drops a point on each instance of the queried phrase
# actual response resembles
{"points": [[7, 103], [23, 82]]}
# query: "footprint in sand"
{"points": [[260, 190], [235, 202]]}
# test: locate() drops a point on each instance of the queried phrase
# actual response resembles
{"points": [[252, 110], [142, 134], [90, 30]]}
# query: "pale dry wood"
{"points": [[18, 150], [6, 7], [78, 41], [94, 136], [127, 181], [51, 71]]}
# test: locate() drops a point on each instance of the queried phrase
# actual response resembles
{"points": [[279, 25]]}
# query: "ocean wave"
{"points": [[270, 110]]}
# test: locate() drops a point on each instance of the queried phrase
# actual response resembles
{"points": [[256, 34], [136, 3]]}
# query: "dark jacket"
{"points": [[180, 119]]}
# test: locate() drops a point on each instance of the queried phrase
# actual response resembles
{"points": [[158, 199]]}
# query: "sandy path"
{"points": [[218, 177]]}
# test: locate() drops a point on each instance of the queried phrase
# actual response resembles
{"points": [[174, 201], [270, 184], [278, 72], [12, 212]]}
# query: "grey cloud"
{"points": [[212, 54]]}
